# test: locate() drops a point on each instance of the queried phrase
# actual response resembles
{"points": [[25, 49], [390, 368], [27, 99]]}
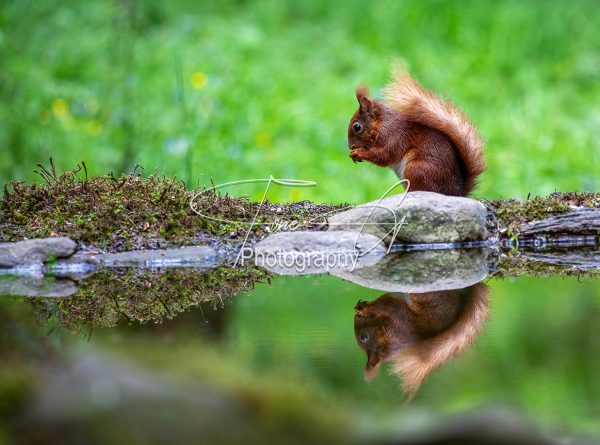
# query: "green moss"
{"points": [[132, 295], [579, 199], [515, 265], [133, 212]]}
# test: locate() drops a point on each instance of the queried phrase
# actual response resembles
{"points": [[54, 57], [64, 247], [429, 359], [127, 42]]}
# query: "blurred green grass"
{"points": [[235, 90]]}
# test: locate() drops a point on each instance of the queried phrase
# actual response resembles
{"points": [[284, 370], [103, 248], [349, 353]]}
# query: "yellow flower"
{"points": [[60, 107], [93, 127], [199, 80], [263, 139]]}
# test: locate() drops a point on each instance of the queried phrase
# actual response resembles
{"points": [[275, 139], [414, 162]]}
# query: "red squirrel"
{"points": [[423, 138], [419, 332]]}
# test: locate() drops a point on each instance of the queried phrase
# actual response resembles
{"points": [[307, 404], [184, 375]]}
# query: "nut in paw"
{"points": [[357, 155]]}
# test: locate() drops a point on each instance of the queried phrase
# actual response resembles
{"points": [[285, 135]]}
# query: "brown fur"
{"points": [[434, 141], [419, 332]]}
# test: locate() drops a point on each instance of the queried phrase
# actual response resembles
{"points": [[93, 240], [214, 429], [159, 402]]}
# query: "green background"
{"points": [[235, 90]]}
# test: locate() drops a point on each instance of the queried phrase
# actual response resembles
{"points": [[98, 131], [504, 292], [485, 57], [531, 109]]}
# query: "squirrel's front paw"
{"points": [[358, 155]]}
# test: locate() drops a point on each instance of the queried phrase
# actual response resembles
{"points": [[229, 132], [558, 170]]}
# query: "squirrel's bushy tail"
{"points": [[418, 105], [418, 361]]}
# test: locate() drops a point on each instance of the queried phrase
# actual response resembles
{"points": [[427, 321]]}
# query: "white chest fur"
{"points": [[399, 168]]}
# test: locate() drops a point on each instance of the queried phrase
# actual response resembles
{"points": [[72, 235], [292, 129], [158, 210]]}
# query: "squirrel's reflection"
{"points": [[419, 332]]}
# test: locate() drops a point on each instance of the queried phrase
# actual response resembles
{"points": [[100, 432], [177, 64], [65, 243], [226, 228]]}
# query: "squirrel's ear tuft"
{"points": [[361, 91], [362, 95]]}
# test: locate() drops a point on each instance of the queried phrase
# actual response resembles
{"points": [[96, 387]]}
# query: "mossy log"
{"points": [[575, 214], [582, 221]]}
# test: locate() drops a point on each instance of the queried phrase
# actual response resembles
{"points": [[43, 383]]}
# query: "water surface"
{"points": [[535, 353]]}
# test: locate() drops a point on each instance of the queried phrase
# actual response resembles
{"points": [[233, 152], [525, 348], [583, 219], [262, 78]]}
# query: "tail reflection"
{"points": [[419, 332]]}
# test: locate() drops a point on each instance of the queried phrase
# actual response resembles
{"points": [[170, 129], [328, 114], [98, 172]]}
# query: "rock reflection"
{"points": [[36, 286], [423, 270], [419, 332]]}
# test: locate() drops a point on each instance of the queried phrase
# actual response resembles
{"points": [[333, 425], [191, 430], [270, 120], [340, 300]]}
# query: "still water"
{"points": [[523, 345]]}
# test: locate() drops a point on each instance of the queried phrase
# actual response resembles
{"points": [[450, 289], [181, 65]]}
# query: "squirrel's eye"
{"points": [[357, 127], [364, 336]]}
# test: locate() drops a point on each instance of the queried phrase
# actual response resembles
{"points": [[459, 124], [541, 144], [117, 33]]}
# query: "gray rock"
{"points": [[202, 257], [35, 251], [36, 287], [77, 267], [428, 218], [303, 253], [422, 271]]}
